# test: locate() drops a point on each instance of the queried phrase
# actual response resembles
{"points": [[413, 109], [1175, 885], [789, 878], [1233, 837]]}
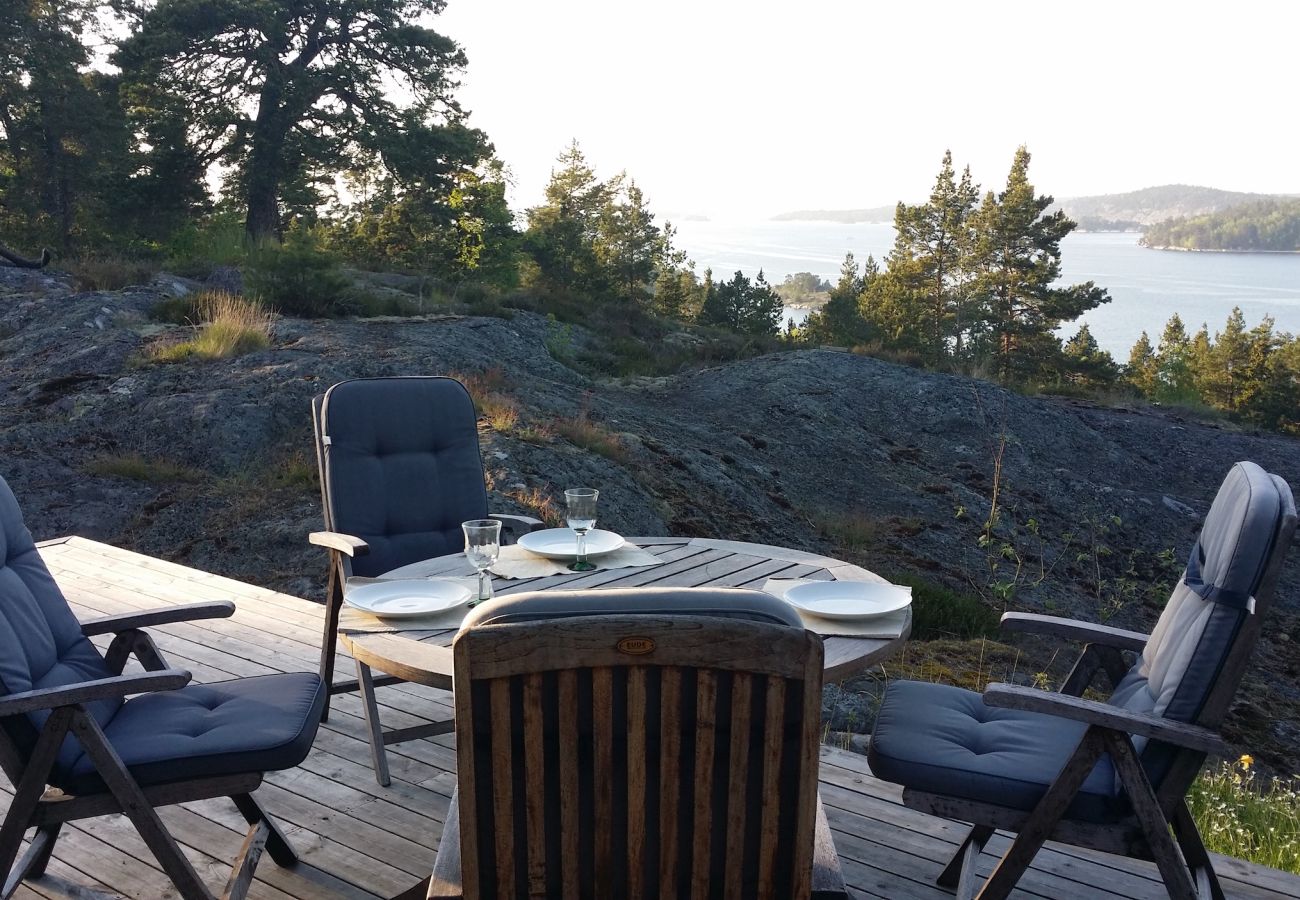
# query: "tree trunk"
{"points": [[266, 164]]}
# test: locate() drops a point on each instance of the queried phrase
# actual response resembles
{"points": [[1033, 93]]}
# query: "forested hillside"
{"points": [[1271, 226], [1136, 209]]}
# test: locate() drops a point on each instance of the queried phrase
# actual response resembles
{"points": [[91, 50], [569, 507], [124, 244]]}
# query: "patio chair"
{"points": [[66, 722], [654, 742], [400, 470], [1111, 775]]}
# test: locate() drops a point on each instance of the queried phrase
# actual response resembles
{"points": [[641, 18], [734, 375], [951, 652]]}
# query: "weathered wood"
{"points": [[89, 691], [887, 851], [446, 883], [163, 616], [347, 544], [1079, 709], [827, 878], [1073, 629], [378, 755]]}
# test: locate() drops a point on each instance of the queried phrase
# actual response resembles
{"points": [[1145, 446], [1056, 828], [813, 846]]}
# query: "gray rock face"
{"points": [[770, 449]]}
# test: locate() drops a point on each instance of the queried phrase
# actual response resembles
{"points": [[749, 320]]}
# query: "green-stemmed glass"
{"points": [[482, 547], [581, 518]]}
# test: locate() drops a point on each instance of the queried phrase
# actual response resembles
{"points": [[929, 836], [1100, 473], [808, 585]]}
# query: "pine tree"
{"points": [[1174, 379], [1142, 366], [1086, 363], [563, 232], [1018, 256], [629, 245]]}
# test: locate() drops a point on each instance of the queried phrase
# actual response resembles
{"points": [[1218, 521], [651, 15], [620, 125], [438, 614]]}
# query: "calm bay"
{"points": [[1146, 286]]}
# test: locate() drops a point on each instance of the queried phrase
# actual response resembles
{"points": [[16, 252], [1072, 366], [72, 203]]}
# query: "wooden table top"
{"points": [[425, 657]]}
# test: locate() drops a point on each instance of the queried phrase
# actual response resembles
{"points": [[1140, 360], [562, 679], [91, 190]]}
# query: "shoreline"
{"points": [[1221, 250]]}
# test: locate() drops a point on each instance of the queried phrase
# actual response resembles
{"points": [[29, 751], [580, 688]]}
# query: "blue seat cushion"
{"points": [[944, 740], [260, 724]]}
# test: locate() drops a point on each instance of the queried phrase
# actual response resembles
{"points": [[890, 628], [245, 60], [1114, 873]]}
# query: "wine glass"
{"points": [[581, 518], [482, 547]]}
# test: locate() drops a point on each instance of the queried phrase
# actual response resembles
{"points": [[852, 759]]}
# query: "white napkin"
{"points": [[516, 562], [883, 628], [357, 621]]}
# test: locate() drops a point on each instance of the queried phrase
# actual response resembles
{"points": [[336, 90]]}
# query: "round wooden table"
{"points": [[425, 657]]}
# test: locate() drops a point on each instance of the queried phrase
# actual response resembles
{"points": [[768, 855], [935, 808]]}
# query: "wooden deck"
{"points": [[359, 840]]}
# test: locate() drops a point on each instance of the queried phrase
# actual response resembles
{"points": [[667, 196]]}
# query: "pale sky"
{"points": [[747, 108]]}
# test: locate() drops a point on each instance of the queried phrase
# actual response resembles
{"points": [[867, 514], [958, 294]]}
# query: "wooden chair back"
{"points": [[627, 752]]}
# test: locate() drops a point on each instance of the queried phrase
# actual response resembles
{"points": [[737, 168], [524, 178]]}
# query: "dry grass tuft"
{"points": [[539, 503], [108, 273], [227, 326], [582, 432], [135, 467]]}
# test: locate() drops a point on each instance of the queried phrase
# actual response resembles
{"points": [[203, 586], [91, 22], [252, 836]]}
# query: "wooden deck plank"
{"points": [[358, 840]]}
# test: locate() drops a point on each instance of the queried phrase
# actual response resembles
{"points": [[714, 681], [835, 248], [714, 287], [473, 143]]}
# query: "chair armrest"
{"points": [[343, 543], [1182, 734], [164, 615], [521, 524], [88, 691], [1074, 629]]}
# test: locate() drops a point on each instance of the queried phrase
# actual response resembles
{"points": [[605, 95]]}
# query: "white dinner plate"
{"points": [[562, 543], [849, 599], [406, 597]]}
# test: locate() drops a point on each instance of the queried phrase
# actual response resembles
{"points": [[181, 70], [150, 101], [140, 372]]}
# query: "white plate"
{"points": [[562, 543], [848, 599], [405, 597]]}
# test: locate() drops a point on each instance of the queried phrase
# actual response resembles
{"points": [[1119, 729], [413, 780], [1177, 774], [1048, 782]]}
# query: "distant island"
{"points": [[876, 214], [1129, 211], [1264, 226]]}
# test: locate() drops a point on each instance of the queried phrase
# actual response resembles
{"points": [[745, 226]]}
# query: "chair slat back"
{"points": [[400, 466], [624, 752]]}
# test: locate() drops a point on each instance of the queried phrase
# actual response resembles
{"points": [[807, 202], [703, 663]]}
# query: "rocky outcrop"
{"points": [[211, 463]]}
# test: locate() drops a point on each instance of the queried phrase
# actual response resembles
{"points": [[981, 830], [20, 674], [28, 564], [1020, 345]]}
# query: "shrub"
{"points": [[297, 278], [940, 613], [194, 251], [227, 326], [109, 273]]}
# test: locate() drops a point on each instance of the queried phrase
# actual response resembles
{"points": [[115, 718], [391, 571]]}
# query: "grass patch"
{"points": [[226, 326], [539, 503], [108, 273], [135, 467], [1242, 814], [940, 613], [582, 432], [850, 531], [487, 390]]}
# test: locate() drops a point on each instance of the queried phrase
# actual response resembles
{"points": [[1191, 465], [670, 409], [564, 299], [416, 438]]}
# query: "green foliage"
{"points": [[1265, 225], [284, 92], [742, 306], [108, 272], [802, 286], [297, 278], [939, 613], [1244, 815], [1086, 364]]}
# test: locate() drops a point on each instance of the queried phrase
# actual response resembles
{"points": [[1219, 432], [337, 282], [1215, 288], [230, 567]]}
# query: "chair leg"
{"points": [[965, 856], [1198, 860], [329, 640], [1041, 822], [27, 795], [377, 753], [138, 809], [276, 843]]}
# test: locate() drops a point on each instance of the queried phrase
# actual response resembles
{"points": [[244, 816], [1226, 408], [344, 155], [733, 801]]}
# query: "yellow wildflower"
{"points": [[1246, 760]]}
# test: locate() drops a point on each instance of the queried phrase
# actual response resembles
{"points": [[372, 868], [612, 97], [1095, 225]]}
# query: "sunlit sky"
{"points": [[746, 109]]}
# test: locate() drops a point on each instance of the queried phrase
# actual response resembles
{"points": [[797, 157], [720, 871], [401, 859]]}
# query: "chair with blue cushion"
{"points": [[1106, 775], [400, 470], [66, 722]]}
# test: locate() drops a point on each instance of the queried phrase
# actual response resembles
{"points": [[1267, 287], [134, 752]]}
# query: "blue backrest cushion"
{"points": [[402, 468], [41, 644], [1200, 624]]}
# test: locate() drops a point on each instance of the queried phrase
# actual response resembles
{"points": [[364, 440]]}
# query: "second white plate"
{"points": [[849, 599], [406, 597], [562, 543]]}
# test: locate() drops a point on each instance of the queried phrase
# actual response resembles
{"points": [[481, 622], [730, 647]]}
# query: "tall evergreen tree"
{"points": [[1174, 377], [1142, 366], [563, 232], [630, 245], [743, 306], [1018, 260]]}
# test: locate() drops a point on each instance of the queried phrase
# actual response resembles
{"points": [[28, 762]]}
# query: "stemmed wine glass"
{"points": [[482, 547], [581, 518]]}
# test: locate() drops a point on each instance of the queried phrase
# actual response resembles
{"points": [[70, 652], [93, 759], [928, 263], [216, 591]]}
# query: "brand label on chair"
{"points": [[636, 646]]}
